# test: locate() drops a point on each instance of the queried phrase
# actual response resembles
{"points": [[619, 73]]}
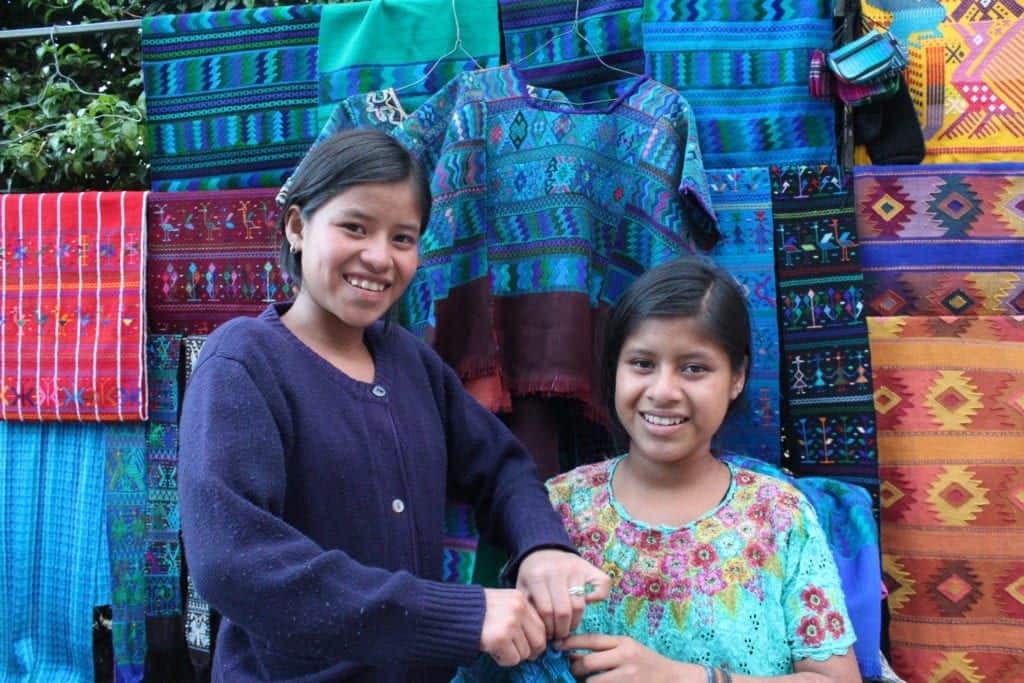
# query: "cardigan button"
{"points": [[379, 391], [398, 506]]}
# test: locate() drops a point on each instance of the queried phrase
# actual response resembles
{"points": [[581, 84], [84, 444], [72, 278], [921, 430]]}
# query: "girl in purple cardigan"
{"points": [[318, 446]]}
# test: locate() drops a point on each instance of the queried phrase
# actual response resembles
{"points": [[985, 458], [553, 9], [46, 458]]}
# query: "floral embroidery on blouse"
{"points": [[751, 584]]}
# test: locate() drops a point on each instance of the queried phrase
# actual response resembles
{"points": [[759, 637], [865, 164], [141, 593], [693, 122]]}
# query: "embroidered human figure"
{"points": [[718, 572]]}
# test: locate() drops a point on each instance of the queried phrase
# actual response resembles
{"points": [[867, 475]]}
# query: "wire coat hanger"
{"points": [[456, 47]]}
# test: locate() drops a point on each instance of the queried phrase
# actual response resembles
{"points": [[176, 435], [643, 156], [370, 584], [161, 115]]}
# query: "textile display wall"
{"points": [[964, 74], [72, 336], [942, 239], [951, 450]]}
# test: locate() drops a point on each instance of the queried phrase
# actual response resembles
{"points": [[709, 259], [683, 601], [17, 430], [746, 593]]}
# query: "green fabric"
{"points": [[489, 563], [380, 44]]}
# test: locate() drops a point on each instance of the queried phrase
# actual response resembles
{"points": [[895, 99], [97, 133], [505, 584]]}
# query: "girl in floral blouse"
{"points": [[719, 573]]}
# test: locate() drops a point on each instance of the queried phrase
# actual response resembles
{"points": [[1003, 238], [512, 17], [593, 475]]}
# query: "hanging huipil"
{"points": [[544, 211]]}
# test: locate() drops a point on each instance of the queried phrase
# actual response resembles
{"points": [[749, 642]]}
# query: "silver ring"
{"points": [[578, 590]]}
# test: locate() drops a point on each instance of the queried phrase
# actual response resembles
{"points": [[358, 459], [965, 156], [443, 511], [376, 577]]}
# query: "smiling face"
{"points": [[673, 388], [359, 252]]}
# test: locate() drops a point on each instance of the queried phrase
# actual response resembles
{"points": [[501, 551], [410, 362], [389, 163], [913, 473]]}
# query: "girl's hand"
{"points": [[546, 577], [615, 659], [512, 631]]}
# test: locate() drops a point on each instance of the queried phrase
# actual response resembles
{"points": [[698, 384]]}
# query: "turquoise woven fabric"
{"points": [[742, 198], [163, 547], [402, 44], [230, 96], [54, 564], [746, 77], [541, 41], [125, 445]]}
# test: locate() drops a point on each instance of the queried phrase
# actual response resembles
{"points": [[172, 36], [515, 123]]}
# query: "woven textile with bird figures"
{"points": [[212, 256], [949, 397], [828, 422], [942, 239]]}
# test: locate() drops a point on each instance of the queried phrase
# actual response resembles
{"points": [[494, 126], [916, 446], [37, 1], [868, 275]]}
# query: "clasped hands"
{"points": [[547, 603], [553, 588]]}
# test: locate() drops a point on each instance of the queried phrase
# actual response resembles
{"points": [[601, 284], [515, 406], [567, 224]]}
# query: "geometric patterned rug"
{"points": [[951, 451], [942, 239]]}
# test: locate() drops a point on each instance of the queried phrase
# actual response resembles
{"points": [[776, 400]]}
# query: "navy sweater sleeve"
{"points": [[490, 469], [290, 595]]}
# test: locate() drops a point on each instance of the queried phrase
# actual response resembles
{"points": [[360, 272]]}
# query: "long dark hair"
{"points": [[344, 160], [688, 287]]}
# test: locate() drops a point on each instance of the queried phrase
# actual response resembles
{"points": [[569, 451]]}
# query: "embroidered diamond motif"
{"points": [[519, 129], [889, 495], [887, 207], [955, 588], [958, 301], [1018, 302], [886, 399], [888, 303], [955, 205], [1016, 590], [955, 494], [562, 125], [951, 399]]}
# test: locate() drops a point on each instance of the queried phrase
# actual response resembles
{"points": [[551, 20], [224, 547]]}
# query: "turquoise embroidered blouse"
{"points": [[750, 585]]}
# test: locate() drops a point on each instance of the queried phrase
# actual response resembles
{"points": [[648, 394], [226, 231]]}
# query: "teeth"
{"points": [[365, 284], [662, 421]]}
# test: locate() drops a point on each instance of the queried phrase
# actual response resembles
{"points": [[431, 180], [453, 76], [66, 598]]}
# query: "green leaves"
{"points": [[72, 110]]}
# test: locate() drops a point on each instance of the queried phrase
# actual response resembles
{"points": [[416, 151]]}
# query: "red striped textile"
{"points": [[72, 307]]}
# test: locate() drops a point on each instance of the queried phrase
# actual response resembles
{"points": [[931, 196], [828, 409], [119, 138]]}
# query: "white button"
{"points": [[379, 391], [397, 505]]}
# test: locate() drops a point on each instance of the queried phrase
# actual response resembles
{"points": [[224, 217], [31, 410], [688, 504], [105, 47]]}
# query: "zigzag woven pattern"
{"points": [[402, 44], [942, 239], [964, 74], [951, 450], [827, 416], [230, 96], [733, 10], [748, 84], [544, 212], [742, 199], [540, 40]]}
